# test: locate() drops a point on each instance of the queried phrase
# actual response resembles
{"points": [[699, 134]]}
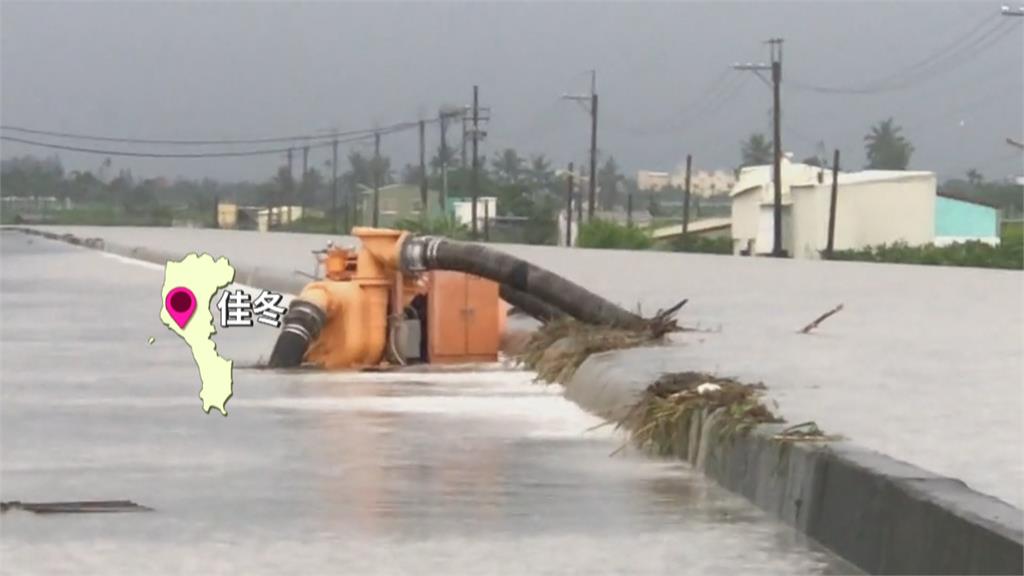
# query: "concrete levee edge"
{"points": [[248, 275], [880, 514]]}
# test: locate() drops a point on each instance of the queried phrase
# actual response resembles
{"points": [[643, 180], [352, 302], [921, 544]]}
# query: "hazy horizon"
{"points": [[205, 70]]}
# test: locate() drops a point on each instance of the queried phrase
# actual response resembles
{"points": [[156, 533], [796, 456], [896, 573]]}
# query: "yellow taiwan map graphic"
{"points": [[204, 276]]}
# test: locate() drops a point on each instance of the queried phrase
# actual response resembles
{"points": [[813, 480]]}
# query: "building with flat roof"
{"points": [[873, 207], [397, 202], [703, 183]]}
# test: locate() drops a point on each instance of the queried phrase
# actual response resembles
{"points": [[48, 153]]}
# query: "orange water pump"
{"points": [[368, 311]]}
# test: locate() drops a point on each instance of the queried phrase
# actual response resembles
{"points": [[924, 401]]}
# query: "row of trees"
{"points": [[885, 146], [526, 185]]}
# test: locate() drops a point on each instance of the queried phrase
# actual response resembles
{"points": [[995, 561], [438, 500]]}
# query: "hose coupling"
{"points": [[419, 253], [302, 326]]}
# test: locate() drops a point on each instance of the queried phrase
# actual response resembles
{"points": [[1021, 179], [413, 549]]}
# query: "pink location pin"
{"points": [[180, 304]]}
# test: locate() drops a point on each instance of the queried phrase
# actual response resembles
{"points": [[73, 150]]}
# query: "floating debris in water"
{"points": [[82, 507]]}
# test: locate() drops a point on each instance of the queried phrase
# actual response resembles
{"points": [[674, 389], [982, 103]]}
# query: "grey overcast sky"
{"points": [[228, 70]]}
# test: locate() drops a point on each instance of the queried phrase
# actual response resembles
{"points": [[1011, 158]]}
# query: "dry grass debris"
{"points": [[662, 419], [561, 345]]}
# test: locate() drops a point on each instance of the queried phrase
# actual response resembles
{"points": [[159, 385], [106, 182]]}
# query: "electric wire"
{"points": [[388, 129], [137, 154], [975, 41]]}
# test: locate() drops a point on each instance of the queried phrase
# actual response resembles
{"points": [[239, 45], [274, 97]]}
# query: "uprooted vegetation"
{"points": [[560, 346], [662, 420]]}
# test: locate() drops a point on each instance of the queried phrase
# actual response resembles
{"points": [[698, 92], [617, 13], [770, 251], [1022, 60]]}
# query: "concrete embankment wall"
{"points": [[880, 514]]}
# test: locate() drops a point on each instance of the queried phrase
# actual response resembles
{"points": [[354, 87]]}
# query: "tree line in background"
{"points": [[527, 187], [884, 145], [886, 148]]}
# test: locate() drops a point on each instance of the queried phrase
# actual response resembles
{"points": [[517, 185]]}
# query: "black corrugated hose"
{"points": [[531, 305], [421, 253]]}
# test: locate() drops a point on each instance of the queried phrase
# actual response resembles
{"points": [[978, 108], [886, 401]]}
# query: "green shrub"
{"points": [[702, 245], [437, 226], [311, 225], [605, 234], [1008, 255]]}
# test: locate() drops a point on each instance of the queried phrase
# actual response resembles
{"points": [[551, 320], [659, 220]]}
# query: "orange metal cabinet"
{"points": [[462, 318]]}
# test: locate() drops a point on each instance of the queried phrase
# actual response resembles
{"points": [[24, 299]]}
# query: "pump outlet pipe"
{"points": [[531, 305], [421, 253]]}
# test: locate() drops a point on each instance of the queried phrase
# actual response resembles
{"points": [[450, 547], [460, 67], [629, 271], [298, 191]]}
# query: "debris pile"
{"points": [[558, 347], [662, 419]]}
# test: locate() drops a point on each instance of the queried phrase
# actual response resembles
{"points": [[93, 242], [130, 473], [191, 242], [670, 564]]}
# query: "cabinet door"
{"points": [[447, 315], [481, 317]]}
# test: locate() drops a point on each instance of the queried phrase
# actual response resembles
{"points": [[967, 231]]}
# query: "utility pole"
{"points": [[593, 149], [334, 185], [686, 197], [775, 48], [487, 221], [465, 132], [629, 208], [289, 185], [424, 207], [832, 206], [305, 182], [592, 99], [353, 206], [776, 54], [474, 184], [568, 209], [579, 207], [376, 179], [442, 118]]}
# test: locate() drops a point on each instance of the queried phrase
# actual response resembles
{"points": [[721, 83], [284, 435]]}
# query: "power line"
{"points": [[979, 38], [231, 154], [719, 93], [171, 142]]}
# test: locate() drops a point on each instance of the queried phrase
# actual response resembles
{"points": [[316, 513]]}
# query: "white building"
{"points": [[873, 207], [702, 182], [486, 207], [652, 181]]}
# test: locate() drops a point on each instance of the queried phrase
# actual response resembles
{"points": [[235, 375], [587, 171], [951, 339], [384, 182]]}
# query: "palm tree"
{"points": [[886, 148], [974, 177], [608, 179], [756, 151], [507, 166], [360, 171], [539, 173], [447, 156]]}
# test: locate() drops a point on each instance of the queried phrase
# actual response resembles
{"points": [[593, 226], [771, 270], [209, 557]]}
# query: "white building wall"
{"points": [[746, 209], [885, 211], [810, 222], [873, 207], [463, 210]]}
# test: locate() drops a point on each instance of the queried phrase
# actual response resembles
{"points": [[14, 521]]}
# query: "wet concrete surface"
{"points": [[925, 364], [470, 473]]}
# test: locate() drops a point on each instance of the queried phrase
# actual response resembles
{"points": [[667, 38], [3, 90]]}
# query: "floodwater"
{"points": [[924, 363], [312, 473]]}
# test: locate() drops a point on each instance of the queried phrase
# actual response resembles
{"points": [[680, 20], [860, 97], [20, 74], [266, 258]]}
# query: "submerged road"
{"points": [[470, 473], [924, 364]]}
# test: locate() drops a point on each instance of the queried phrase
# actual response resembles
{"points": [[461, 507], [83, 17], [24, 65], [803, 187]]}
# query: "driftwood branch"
{"points": [[664, 321], [807, 329]]}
